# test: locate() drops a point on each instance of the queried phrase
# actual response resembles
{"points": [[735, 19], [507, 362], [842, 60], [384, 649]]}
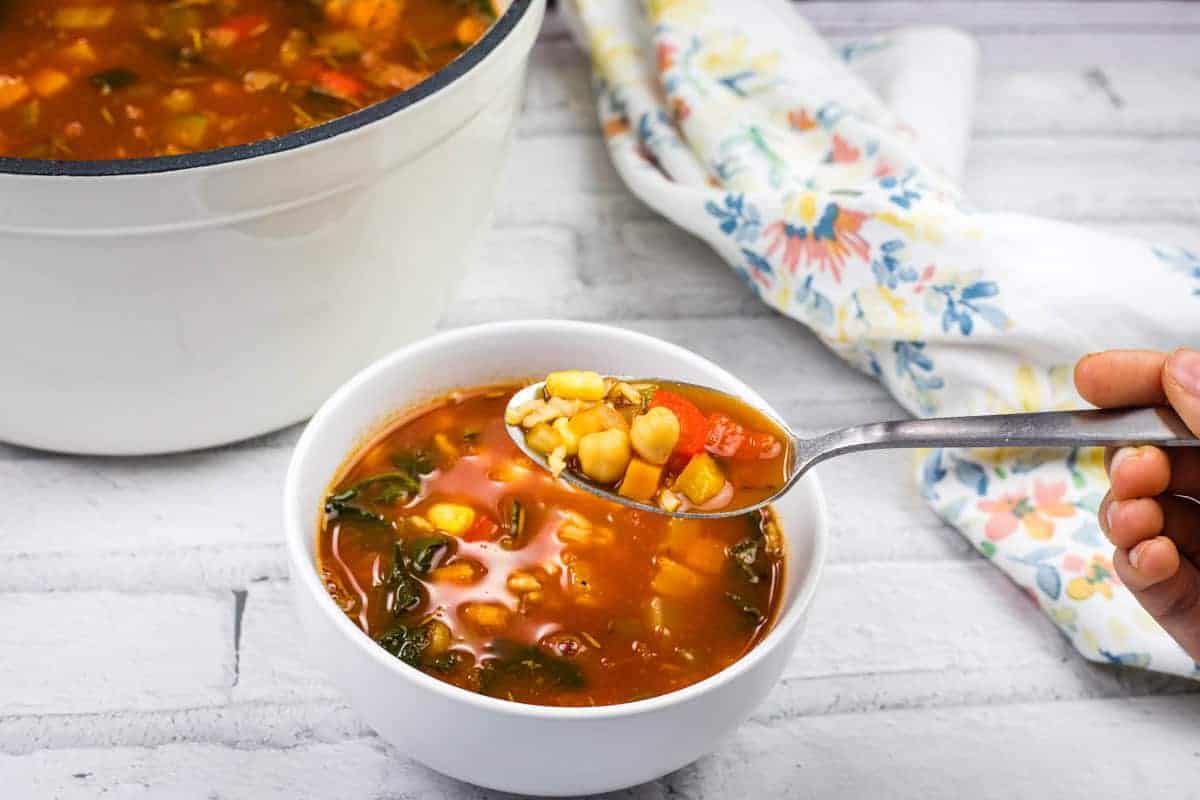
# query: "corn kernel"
{"points": [[452, 518]]}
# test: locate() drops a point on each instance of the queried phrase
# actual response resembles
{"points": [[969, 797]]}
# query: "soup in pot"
{"points": [[110, 79]]}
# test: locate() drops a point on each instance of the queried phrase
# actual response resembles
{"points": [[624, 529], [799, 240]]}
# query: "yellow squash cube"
{"points": [[701, 480]]}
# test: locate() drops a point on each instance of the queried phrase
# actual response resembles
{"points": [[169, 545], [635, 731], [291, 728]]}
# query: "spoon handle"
{"points": [[1110, 427]]}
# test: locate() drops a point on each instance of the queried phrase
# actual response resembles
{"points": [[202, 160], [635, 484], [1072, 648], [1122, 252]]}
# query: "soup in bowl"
{"points": [[555, 648]]}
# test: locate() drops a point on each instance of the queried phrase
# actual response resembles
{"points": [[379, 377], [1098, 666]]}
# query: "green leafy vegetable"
{"points": [[744, 555], [339, 505], [110, 80], [407, 643], [414, 462], [746, 607], [527, 664], [406, 589], [426, 552], [514, 526]]}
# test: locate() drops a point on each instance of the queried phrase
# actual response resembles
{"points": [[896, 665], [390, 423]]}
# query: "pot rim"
{"points": [[461, 66]]}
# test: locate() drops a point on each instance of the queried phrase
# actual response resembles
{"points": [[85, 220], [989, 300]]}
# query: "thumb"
{"points": [[1181, 381]]}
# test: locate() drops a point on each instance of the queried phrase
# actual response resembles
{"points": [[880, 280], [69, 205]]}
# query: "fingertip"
{"points": [[1084, 376], [1139, 472], [1129, 522], [1148, 563]]}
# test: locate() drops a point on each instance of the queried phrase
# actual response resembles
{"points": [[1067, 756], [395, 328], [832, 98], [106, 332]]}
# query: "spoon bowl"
{"points": [[1149, 425], [536, 390]]}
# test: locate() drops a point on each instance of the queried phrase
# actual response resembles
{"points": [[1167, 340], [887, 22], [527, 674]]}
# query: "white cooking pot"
{"points": [[161, 304]]}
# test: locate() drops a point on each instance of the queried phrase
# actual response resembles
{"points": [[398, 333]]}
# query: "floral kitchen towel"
{"points": [[827, 179]]}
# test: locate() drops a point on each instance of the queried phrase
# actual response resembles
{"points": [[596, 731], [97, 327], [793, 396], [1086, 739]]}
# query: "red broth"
{"points": [[459, 556], [102, 79]]}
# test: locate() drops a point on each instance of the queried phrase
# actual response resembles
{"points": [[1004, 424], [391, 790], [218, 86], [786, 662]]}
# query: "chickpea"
{"points": [[654, 434], [605, 455], [575, 384]]}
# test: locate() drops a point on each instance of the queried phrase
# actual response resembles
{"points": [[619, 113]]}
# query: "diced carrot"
{"points": [[339, 84], [693, 427], [641, 480]]}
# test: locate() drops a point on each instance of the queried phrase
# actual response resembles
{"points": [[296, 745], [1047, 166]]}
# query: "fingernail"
{"points": [[1135, 555], [1184, 366], [1119, 457]]}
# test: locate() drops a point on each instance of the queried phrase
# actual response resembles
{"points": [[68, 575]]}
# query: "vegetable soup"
{"points": [[105, 79], [461, 557], [679, 446]]}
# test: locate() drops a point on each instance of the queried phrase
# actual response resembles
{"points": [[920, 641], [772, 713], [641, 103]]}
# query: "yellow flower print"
{"points": [[676, 10], [1098, 578]]}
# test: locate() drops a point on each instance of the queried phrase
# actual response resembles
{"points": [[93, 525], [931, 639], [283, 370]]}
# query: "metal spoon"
{"points": [[1110, 427]]}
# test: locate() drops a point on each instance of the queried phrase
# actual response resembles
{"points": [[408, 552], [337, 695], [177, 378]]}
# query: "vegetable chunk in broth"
{"points": [[462, 558], [107, 79], [678, 446]]}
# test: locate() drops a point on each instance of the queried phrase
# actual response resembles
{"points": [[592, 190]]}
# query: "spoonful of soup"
{"points": [[692, 451]]}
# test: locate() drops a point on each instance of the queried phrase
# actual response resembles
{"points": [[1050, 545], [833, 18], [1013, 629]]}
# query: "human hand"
{"points": [[1151, 513]]}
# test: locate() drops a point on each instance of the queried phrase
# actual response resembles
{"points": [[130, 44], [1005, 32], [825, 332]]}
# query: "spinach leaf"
{"points": [[407, 643], [339, 505], [110, 80], [414, 462], [744, 555], [514, 526], [527, 664], [746, 607], [426, 552], [406, 590]]}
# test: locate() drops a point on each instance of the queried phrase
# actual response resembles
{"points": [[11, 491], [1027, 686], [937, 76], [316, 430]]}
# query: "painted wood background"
{"points": [[147, 648]]}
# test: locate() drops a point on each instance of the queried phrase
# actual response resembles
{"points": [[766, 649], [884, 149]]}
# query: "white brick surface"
{"points": [[80, 652], [126, 670]]}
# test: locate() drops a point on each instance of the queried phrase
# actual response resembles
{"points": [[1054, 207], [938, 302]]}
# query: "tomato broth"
{"points": [[464, 559], [108, 79]]}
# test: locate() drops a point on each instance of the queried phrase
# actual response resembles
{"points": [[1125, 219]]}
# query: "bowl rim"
{"points": [[444, 77], [301, 566]]}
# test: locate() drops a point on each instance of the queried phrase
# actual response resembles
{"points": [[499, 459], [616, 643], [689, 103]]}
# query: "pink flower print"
{"points": [[826, 244], [1013, 511]]}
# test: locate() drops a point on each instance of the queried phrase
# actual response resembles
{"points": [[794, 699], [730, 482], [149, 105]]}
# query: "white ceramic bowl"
{"points": [[527, 749], [161, 304]]}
